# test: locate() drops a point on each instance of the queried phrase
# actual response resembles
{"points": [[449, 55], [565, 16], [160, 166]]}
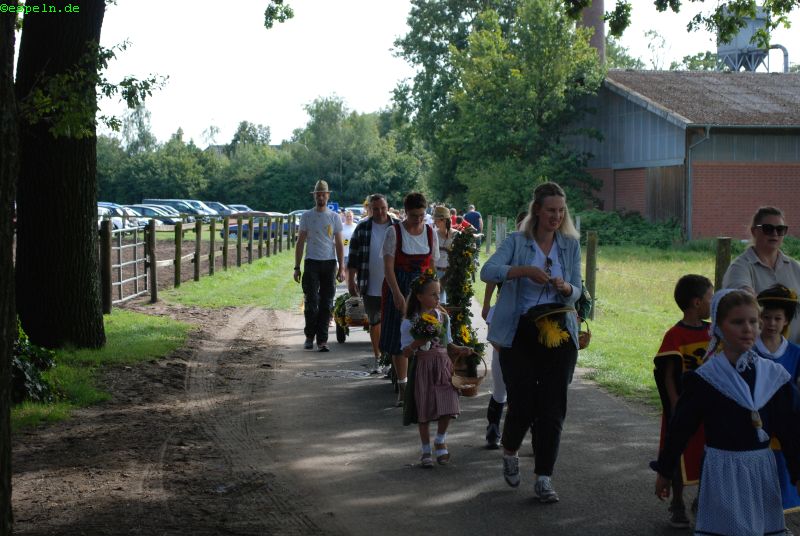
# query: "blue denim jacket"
{"points": [[518, 250]]}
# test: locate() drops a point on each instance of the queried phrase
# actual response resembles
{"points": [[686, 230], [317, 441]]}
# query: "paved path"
{"points": [[342, 442]]}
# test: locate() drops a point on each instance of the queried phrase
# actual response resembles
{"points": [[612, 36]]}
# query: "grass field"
{"points": [[132, 337], [265, 283], [634, 307]]}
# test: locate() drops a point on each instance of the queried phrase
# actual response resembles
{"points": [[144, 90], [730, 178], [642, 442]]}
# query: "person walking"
{"points": [[445, 234], [410, 248], [321, 228], [535, 325], [763, 264], [365, 266]]}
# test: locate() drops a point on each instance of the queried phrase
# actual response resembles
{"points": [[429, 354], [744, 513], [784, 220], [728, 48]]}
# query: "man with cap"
{"points": [[324, 264]]}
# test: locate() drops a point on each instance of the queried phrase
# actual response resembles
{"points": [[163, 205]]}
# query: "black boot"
{"points": [[494, 413]]}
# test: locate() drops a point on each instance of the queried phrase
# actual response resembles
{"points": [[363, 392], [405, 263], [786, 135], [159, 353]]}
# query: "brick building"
{"points": [[706, 148]]}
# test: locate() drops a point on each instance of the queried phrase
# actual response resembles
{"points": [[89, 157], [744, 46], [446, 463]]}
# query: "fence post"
{"points": [[275, 237], [226, 223], [591, 267], [260, 237], [178, 252], [212, 230], [198, 235], [238, 241], [280, 233], [250, 232], [293, 229], [269, 235], [105, 264], [151, 253], [489, 221], [723, 260]]}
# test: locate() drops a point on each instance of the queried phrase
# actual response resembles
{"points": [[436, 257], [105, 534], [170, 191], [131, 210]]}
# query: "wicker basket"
{"points": [[584, 336], [467, 385]]}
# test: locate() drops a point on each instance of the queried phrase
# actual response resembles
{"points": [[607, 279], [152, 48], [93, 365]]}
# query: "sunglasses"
{"points": [[768, 229], [548, 264]]}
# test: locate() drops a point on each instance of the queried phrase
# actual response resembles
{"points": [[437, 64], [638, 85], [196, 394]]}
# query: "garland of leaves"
{"points": [[458, 285]]}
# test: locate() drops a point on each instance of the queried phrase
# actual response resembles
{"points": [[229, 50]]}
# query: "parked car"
{"points": [[222, 210], [233, 227], [297, 213], [202, 207], [155, 213], [241, 208], [178, 204], [127, 219], [105, 213]]}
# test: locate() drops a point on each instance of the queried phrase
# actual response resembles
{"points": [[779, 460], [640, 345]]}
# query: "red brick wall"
{"points": [[630, 190], [726, 194], [606, 191]]}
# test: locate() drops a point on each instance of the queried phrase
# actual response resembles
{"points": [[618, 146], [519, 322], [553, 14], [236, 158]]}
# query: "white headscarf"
{"points": [[718, 372]]}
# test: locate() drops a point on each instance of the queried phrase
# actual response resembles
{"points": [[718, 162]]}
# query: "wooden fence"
{"points": [[263, 236]]}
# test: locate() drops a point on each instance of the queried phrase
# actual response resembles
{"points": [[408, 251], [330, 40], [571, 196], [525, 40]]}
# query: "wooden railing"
{"points": [[269, 241]]}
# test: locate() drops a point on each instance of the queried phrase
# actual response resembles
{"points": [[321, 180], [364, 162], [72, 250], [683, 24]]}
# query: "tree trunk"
{"points": [[8, 178], [57, 284]]}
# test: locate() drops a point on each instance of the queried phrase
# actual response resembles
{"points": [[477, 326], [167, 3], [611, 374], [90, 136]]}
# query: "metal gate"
{"points": [[129, 251]]}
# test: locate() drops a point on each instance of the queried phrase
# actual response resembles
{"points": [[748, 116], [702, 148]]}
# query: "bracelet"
{"points": [[296, 267]]}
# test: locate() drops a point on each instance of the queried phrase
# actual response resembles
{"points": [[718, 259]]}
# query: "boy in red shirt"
{"points": [[682, 350]]}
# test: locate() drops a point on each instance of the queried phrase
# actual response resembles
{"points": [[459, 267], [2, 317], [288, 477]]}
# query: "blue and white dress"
{"points": [[740, 407], [787, 355]]}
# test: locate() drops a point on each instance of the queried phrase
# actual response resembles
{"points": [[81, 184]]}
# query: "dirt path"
{"points": [[178, 450], [244, 433]]}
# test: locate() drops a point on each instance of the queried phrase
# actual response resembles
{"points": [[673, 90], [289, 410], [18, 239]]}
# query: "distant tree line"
{"points": [[357, 153]]}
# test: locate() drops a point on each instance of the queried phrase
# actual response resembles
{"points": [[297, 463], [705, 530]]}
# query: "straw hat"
{"points": [[441, 212], [321, 187]]}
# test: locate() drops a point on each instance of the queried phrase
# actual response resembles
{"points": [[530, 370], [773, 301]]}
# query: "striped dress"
{"points": [[429, 377]]}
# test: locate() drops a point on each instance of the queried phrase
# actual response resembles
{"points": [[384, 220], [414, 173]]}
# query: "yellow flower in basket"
{"points": [[465, 334]]}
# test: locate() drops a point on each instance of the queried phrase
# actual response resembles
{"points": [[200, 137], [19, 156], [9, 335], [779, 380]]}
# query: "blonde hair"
{"points": [[548, 189]]}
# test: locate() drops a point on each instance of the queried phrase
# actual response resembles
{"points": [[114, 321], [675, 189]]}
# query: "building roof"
{"points": [[700, 98]]}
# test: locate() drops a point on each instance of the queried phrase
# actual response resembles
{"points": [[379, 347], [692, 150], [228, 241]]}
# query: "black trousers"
{"points": [[319, 287], [536, 379]]}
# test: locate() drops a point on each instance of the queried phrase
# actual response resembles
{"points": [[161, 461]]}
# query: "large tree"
{"points": [[8, 332], [58, 295]]}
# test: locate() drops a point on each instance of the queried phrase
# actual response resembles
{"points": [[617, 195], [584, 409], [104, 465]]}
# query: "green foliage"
{"points": [[277, 11], [702, 61], [248, 134], [497, 87], [28, 361], [67, 101], [458, 285], [629, 228]]}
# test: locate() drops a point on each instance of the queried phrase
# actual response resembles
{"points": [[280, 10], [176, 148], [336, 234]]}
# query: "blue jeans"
{"points": [[319, 287]]}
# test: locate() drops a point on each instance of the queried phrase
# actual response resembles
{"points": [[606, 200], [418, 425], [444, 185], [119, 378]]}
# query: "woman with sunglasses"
{"points": [[535, 326], [763, 264]]}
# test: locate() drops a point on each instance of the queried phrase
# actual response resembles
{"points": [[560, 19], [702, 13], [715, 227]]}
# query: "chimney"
{"points": [[593, 16]]}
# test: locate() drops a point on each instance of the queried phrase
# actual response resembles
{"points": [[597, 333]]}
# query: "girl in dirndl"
{"points": [[430, 395], [741, 399]]}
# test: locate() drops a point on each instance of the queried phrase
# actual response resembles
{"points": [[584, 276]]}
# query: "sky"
{"points": [[224, 67]]}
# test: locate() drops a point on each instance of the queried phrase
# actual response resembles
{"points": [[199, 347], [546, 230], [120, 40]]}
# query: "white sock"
{"points": [[441, 438], [426, 448], [404, 380]]}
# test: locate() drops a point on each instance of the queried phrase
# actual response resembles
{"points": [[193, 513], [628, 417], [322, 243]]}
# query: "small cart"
{"points": [[348, 311]]}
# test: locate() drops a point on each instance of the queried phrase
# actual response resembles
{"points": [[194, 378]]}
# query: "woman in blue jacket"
{"points": [[536, 328]]}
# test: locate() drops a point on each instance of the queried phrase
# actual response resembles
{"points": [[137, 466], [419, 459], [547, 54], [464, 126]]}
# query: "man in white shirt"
{"points": [[322, 229], [365, 266]]}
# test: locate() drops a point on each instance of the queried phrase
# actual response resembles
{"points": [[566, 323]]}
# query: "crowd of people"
{"points": [[726, 372]]}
